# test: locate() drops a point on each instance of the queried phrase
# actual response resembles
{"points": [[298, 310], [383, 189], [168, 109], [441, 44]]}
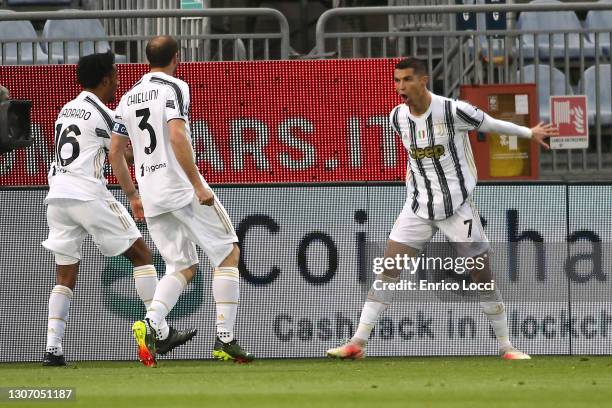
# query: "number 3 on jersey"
{"points": [[145, 114]]}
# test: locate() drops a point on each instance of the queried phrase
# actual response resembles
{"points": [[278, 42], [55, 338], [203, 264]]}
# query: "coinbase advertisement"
{"points": [[309, 256]]}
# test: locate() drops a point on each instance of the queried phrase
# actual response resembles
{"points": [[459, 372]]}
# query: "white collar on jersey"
{"points": [[92, 95]]}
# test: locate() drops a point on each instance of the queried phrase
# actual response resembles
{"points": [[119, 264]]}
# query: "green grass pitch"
{"points": [[456, 382]]}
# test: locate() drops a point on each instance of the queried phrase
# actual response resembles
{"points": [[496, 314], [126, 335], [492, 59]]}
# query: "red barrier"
{"points": [[273, 121]]}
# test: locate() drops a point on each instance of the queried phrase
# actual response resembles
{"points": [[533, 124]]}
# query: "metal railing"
{"points": [[131, 47], [189, 26], [400, 22], [125, 26], [456, 58]]}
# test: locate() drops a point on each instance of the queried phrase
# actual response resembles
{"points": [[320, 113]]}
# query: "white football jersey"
{"points": [[143, 115], [440, 160], [82, 138]]}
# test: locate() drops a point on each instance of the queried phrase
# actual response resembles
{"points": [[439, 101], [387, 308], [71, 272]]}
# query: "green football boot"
{"points": [[145, 340]]}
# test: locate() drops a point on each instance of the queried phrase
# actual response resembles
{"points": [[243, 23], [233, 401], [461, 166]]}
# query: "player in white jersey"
{"points": [[442, 177], [80, 204], [180, 209]]}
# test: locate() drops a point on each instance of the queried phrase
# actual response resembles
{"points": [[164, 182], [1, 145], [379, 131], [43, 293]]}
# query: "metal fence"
{"points": [[559, 61], [132, 26], [64, 47], [412, 22], [189, 26], [565, 60]]}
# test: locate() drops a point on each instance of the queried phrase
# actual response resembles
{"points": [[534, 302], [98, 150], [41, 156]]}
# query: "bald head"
{"points": [[161, 50]]}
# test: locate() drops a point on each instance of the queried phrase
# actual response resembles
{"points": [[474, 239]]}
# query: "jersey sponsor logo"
{"points": [[430, 152], [152, 168], [55, 168]]}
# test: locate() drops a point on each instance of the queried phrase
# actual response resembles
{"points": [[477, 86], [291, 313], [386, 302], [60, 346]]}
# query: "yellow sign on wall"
{"points": [[509, 155]]}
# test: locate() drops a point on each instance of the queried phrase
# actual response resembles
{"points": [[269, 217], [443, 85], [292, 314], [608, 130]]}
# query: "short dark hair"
{"points": [[416, 64], [93, 68], [160, 51]]}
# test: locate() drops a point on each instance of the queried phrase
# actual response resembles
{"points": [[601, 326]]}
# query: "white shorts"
{"points": [[107, 221], [463, 229], [177, 233]]}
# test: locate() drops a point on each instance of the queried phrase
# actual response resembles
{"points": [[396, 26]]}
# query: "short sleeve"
{"points": [[119, 127], [468, 117], [394, 120], [104, 125], [177, 102], [104, 136]]}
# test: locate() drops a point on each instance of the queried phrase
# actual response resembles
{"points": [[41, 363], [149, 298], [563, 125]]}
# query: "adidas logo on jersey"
{"points": [[429, 152]]}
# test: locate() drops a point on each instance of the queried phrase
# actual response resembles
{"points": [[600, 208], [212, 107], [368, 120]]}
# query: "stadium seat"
{"points": [[497, 49], [19, 29], [76, 29], [601, 19], [543, 86], [481, 40], [496, 44], [605, 93], [546, 21]]}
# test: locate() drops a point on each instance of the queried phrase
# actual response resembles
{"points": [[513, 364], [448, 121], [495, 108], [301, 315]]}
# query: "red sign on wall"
{"points": [[252, 122], [570, 115]]}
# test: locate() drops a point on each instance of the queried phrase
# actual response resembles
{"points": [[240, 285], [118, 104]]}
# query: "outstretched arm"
{"points": [[538, 133], [543, 131]]}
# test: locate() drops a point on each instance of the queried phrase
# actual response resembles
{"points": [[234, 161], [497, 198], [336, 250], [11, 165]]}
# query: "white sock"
{"points": [[59, 306], [226, 291], [493, 307], [168, 291], [377, 302], [145, 280], [369, 316]]}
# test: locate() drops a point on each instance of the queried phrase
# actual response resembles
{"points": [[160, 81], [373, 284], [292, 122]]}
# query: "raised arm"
{"points": [[538, 133]]}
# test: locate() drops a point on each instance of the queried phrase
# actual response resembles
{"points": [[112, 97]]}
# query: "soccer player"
{"points": [[434, 131], [180, 209], [79, 202]]}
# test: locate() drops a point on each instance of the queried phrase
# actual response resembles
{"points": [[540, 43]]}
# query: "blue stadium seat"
{"points": [[605, 93], [557, 20], [543, 86], [76, 29], [497, 44], [601, 19], [20, 29]]}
